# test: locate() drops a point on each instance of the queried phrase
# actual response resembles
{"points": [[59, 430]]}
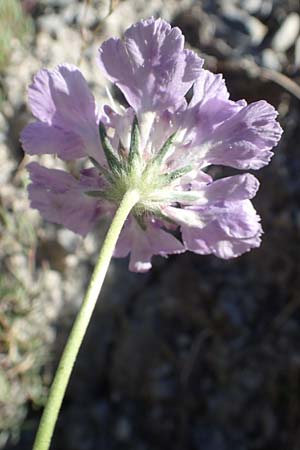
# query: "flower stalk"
{"points": [[64, 370]]}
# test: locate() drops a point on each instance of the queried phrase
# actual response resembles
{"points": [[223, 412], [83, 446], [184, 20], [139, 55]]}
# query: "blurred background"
{"points": [[199, 353]]}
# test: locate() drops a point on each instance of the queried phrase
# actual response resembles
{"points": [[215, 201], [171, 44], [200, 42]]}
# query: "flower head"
{"points": [[160, 145]]}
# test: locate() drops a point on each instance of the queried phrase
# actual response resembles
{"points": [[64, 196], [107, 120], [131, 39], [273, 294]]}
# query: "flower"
{"points": [[161, 144]]}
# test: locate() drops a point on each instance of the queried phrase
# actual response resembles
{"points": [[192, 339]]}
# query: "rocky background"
{"points": [[198, 354]]}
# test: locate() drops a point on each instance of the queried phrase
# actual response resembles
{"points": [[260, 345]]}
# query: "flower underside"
{"points": [[159, 146], [128, 171]]}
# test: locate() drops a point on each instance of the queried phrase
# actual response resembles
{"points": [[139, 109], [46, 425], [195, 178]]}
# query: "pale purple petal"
{"points": [[40, 97], [216, 130], [196, 127], [150, 66], [61, 96], [224, 222], [245, 140], [209, 106], [143, 244], [212, 240], [40, 138], [226, 232], [62, 101], [121, 123], [195, 180], [229, 134], [55, 180], [237, 187], [162, 128], [209, 86], [91, 179], [60, 198], [237, 220]]}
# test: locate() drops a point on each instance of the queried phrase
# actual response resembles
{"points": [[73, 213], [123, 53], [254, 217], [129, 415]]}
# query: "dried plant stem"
{"points": [[61, 379]]}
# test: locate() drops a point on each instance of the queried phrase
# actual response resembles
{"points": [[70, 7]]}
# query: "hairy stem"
{"points": [[64, 370]]}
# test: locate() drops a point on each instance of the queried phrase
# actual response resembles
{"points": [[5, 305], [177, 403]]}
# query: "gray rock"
{"points": [[123, 429], [287, 34], [261, 8], [68, 239], [297, 53], [270, 59], [3, 128], [257, 30], [244, 26], [51, 24], [251, 6]]}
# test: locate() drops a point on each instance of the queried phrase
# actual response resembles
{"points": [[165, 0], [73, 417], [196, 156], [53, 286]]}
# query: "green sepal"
{"points": [[112, 160], [141, 222], [101, 169], [159, 157], [134, 151], [178, 173], [95, 163], [189, 196], [174, 196], [97, 194], [160, 215]]}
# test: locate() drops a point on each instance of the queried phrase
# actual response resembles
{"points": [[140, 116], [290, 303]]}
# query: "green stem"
{"points": [[61, 379]]}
